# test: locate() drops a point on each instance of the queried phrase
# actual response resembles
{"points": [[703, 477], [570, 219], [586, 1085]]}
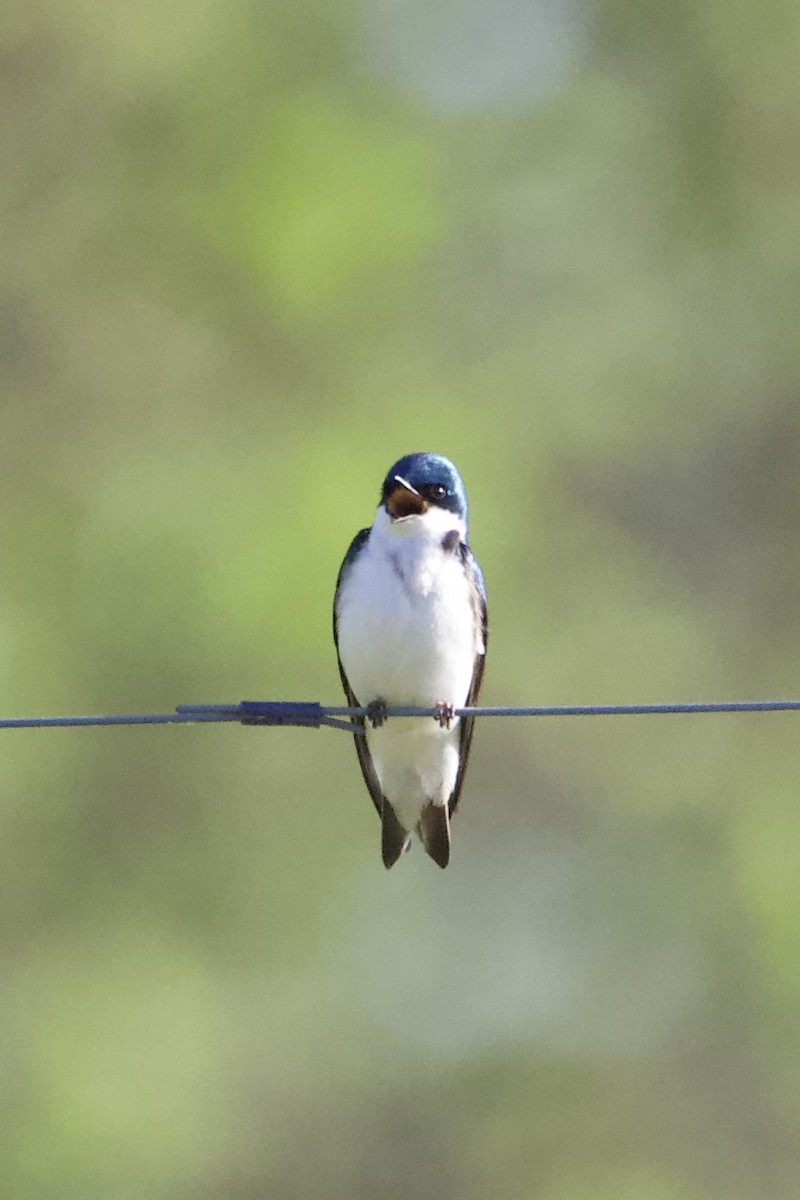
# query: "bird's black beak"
{"points": [[404, 500]]}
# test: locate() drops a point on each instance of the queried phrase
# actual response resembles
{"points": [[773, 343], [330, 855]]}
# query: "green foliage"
{"points": [[251, 255], [334, 199]]}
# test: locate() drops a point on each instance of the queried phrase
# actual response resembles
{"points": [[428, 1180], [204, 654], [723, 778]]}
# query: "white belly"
{"points": [[407, 635], [407, 629]]}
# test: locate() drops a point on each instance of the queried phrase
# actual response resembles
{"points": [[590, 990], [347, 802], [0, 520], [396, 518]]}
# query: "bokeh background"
{"points": [[252, 253]]}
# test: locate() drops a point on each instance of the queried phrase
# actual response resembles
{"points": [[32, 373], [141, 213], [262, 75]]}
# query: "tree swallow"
{"points": [[410, 627]]}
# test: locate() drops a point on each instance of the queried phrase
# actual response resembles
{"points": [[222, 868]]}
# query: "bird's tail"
{"points": [[394, 838], [434, 830]]}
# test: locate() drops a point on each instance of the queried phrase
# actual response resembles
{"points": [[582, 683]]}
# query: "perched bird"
{"points": [[410, 627]]}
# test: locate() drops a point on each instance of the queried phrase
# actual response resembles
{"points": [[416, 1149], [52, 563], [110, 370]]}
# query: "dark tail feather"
{"points": [[434, 829], [394, 838]]}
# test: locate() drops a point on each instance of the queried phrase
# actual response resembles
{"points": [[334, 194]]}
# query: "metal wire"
{"points": [[312, 715]]}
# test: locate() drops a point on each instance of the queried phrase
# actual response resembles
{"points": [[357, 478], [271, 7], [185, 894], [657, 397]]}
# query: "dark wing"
{"points": [[478, 588], [362, 750]]}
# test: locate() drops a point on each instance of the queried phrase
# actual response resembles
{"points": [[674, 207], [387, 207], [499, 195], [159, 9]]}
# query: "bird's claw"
{"points": [[376, 712], [444, 713]]}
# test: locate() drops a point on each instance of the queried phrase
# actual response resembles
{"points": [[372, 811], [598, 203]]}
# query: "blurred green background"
{"points": [[252, 253]]}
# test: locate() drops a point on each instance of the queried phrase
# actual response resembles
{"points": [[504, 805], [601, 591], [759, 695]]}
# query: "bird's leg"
{"points": [[376, 712], [444, 713]]}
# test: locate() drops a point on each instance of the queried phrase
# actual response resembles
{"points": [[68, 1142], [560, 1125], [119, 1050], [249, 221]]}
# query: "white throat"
{"points": [[422, 528]]}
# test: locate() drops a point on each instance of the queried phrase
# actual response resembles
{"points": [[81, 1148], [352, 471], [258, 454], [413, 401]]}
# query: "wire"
{"points": [[312, 715]]}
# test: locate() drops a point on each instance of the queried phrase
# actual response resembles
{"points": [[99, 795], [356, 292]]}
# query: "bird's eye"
{"points": [[438, 491]]}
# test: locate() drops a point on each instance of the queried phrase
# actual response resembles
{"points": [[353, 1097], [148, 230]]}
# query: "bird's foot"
{"points": [[444, 713], [376, 712]]}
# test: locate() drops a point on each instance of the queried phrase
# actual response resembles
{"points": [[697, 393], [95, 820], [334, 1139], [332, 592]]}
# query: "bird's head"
{"points": [[423, 483]]}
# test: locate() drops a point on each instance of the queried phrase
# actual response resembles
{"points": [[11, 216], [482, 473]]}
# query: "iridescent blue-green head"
{"points": [[422, 481]]}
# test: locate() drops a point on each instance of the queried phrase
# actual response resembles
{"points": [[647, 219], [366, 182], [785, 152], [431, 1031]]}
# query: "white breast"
{"points": [[405, 615]]}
